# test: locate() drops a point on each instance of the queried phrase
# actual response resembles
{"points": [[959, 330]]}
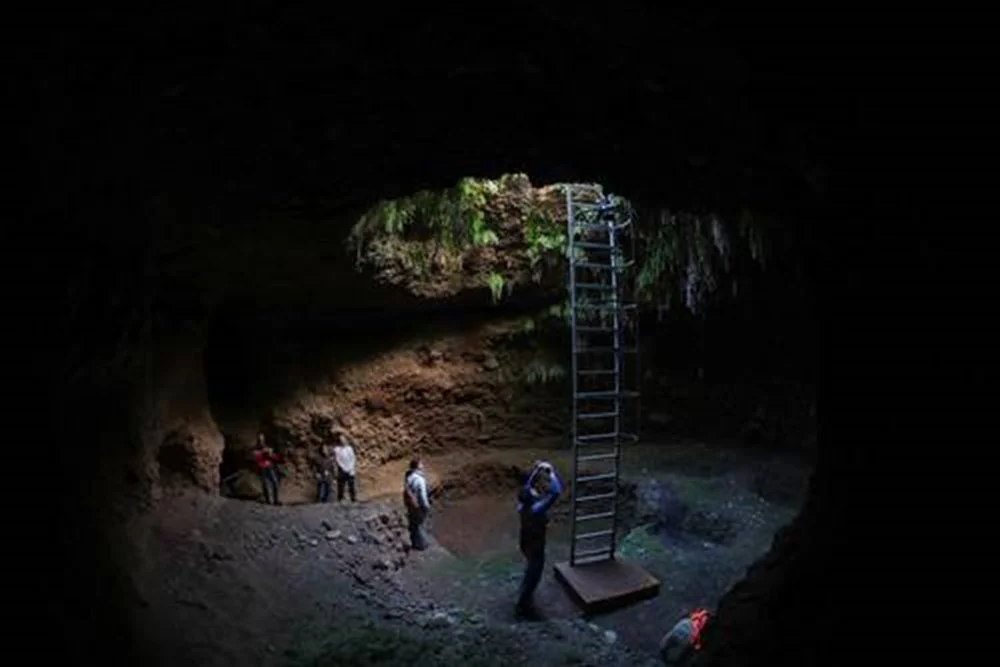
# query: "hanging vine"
{"points": [[688, 258]]}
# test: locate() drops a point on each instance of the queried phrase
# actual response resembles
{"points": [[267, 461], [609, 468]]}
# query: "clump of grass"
{"points": [[699, 492], [640, 542], [494, 566]]}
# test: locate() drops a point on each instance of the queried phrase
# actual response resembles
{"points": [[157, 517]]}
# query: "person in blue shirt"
{"points": [[540, 491]]}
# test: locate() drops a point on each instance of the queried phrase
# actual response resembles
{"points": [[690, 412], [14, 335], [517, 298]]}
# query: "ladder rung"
{"points": [[591, 226], [587, 560], [599, 348], [603, 395], [596, 478], [600, 226], [586, 329], [587, 553], [609, 306], [598, 394], [595, 517], [596, 457], [608, 267], [596, 533], [596, 436], [596, 496], [605, 371], [604, 286], [626, 438], [598, 415], [604, 218], [590, 444], [586, 245]]}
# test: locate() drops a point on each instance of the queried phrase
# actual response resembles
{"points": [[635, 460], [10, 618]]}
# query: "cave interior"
{"points": [[202, 171]]}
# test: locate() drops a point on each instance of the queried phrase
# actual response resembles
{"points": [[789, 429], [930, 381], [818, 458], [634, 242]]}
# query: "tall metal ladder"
{"points": [[605, 360]]}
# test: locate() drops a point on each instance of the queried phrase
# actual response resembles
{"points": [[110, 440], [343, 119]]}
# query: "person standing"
{"points": [[540, 491], [267, 461], [324, 473], [346, 461], [417, 503]]}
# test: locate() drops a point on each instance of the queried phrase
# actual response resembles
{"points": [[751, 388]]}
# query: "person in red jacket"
{"points": [[267, 461], [680, 644]]}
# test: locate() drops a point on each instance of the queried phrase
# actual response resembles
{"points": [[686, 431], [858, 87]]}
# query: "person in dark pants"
{"points": [[417, 503], [540, 491], [324, 473], [346, 462], [267, 461]]}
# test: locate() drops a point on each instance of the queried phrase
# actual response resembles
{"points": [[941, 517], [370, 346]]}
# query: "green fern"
{"points": [[543, 235], [454, 217], [481, 235], [496, 283]]}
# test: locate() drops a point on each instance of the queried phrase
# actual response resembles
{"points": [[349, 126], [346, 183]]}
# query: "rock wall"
{"points": [[181, 445], [780, 614], [432, 392]]}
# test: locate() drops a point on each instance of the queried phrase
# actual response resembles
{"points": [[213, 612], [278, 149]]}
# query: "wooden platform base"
{"points": [[611, 584]]}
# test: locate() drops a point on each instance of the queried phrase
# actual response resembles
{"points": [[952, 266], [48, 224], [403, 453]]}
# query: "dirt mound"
{"points": [[238, 576], [481, 478], [661, 508], [714, 527]]}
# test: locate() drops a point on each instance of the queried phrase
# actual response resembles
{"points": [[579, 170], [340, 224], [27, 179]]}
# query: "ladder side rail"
{"points": [[570, 261], [616, 324], [638, 338]]}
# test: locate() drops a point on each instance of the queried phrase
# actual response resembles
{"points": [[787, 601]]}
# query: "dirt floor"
{"points": [[236, 582], [695, 519]]}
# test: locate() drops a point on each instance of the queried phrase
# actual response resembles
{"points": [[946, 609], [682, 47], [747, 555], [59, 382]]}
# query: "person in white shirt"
{"points": [[343, 454], [418, 505]]}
